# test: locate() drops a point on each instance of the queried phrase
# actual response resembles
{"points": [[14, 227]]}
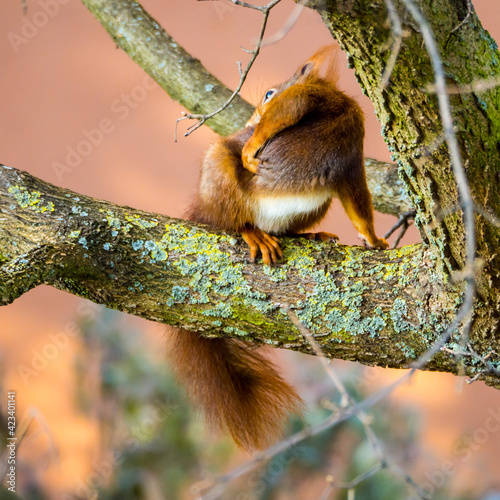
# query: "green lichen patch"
{"points": [[221, 310], [231, 330], [298, 255], [178, 295], [115, 223], [337, 306], [31, 199], [136, 220], [74, 234], [276, 274], [399, 314], [211, 275]]}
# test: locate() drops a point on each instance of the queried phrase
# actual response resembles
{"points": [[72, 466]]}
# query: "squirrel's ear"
{"points": [[322, 63], [306, 69], [303, 71]]}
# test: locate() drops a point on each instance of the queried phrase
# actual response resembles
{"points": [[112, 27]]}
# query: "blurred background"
{"points": [[104, 414]]}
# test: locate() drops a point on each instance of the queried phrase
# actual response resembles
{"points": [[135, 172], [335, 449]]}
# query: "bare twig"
{"points": [[32, 415], [483, 359], [476, 86], [362, 416], [351, 484], [487, 214], [465, 19], [266, 9], [483, 211], [336, 418], [404, 222]]}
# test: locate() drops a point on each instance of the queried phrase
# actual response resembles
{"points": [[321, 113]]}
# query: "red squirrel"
{"points": [[302, 146]]}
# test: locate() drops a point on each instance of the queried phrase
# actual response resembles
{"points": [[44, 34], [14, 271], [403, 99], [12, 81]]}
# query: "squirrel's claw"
{"points": [[268, 245]]}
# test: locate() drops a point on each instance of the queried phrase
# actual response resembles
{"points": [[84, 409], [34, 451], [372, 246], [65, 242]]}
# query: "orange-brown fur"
{"points": [[239, 389], [304, 143]]}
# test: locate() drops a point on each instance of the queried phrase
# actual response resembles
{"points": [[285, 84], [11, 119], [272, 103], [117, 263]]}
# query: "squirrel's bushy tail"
{"points": [[240, 390]]}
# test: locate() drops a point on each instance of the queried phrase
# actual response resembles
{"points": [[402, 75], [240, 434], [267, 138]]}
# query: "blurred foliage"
{"points": [[150, 440], [32, 490], [162, 446], [152, 446]]}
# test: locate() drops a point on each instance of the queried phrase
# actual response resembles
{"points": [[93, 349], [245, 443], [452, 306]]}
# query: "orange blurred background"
{"points": [[62, 75]]}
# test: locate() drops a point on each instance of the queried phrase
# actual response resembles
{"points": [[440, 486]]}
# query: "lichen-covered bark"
{"points": [[389, 193], [376, 307], [412, 128]]}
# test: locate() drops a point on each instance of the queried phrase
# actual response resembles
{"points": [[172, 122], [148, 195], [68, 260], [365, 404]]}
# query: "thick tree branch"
{"points": [[376, 307]]}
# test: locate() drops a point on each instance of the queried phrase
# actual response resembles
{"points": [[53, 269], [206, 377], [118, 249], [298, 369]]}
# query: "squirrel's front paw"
{"points": [[249, 161], [260, 241]]}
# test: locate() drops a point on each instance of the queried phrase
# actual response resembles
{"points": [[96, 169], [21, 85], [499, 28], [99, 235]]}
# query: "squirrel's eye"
{"points": [[268, 95]]}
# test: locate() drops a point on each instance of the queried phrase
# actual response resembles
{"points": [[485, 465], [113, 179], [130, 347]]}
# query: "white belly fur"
{"points": [[274, 214]]}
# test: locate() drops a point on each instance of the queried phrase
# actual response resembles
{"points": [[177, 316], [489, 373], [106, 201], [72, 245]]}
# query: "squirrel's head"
{"points": [[321, 66]]}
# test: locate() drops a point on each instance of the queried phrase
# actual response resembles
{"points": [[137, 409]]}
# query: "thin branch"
{"points": [[255, 52], [181, 75], [487, 214], [219, 483], [470, 352], [466, 18], [251, 6], [476, 86], [351, 484], [404, 222], [362, 416], [336, 418]]}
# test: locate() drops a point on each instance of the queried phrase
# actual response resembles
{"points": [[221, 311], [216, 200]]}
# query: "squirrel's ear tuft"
{"points": [[322, 64]]}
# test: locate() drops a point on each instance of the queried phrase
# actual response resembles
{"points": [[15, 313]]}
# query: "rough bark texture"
{"points": [[412, 127], [376, 307]]}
